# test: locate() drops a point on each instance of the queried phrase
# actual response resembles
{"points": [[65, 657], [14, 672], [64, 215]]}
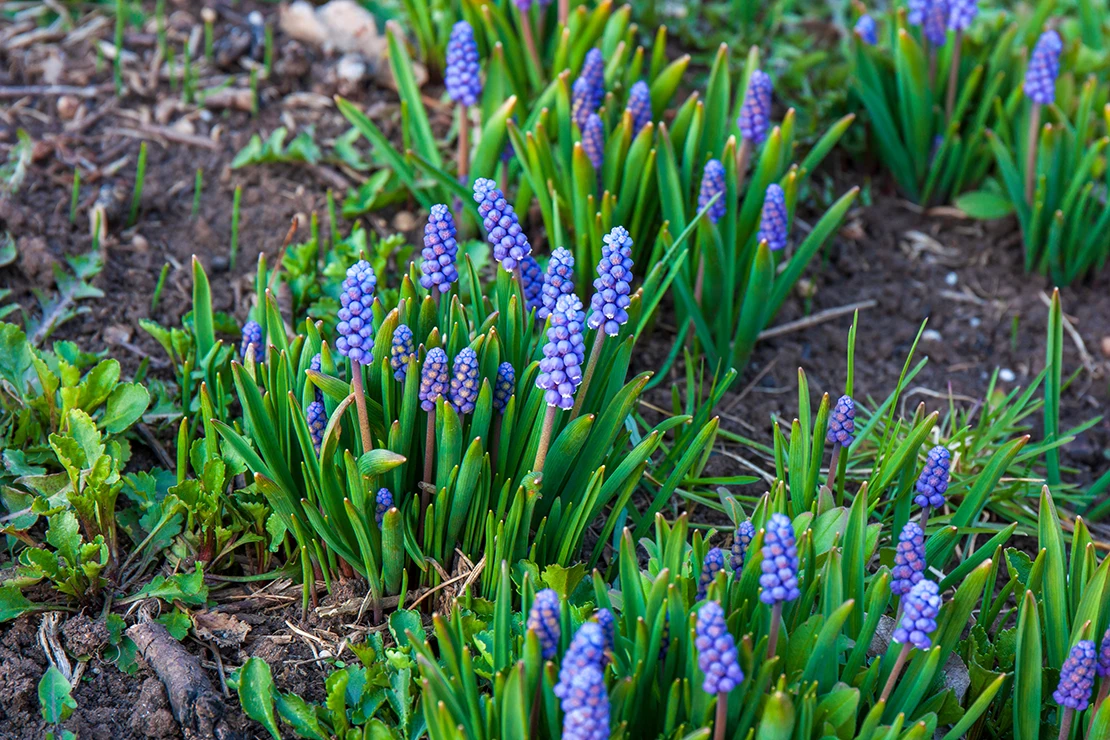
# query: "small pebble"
{"points": [[404, 221], [1106, 347], [951, 279], [1006, 375], [220, 263], [931, 335], [139, 243], [974, 321], [67, 107]]}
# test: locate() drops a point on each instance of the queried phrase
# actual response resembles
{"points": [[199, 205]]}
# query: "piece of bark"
{"points": [[196, 705]]}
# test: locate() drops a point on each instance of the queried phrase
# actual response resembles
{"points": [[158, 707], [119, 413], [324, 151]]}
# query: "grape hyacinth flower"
{"points": [[510, 245], [920, 608], [935, 27], [909, 559], [741, 540], [316, 416], [755, 114], [587, 648], [916, 11], [779, 582], [532, 278], [866, 30], [316, 364], [543, 619], [356, 319], [919, 614], [780, 562], [772, 225], [717, 660], [639, 106], [1104, 655], [463, 391], [842, 422], [503, 387], [608, 624], [440, 251], [932, 484], [611, 286], [561, 366], [383, 502], [463, 76], [1044, 67], [1077, 677], [251, 338], [580, 97], [961, 13], [593, 141], [713, 184], [433, 379], [1040, 86], [593, 71], [586, 707], [400, 351], [557, 281], [713, 564]]}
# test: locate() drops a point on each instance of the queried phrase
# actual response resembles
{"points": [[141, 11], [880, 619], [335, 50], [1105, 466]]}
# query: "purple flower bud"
{"points": [[586, 707], [772, 225], [639, 106], [1044, 67], [580, 97], [561, 366], [532, 278], [961, 13], [251, 337], [587, 648], [502, 226], [523, 5], [433, 378], [543, 619], [712, 184], [1104, 655], [780, 561], [464, 75], [503, 388], [936, 22], [316, 364], [400, 351], [317, 418], [909, 559], [557, 281], [593, 141], [356, 319], [932, 484], [383, 502], [609, 304], [440, 250], [1077, 677], [608, 624], [717, 655], [920, 608], [755, 115], [867, 30], [593, 71], [464, 382], [741, 540], [917, 11], [713, 564], [842, 422]]}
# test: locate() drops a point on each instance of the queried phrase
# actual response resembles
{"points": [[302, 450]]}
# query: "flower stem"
{"points": [[1031, 152], [1103, 690], [743, 155], [545, 438], [429, 461], [773, 634], [722, 716], [833, 462], [564, 12], [924, 517], [1065, 723], [591, 367], [953, 76], [464, 144], [360, 404], [529, 40], [901, 661]]}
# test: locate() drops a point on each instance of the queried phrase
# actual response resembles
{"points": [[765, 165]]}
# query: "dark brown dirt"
{"points": [[876, 257]]}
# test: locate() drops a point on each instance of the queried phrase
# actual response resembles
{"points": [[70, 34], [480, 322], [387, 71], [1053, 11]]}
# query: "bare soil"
{"points": [[963, 276]]}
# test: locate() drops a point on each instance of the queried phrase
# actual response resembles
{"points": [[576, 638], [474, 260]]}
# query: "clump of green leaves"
{"points": [[302, 148]]}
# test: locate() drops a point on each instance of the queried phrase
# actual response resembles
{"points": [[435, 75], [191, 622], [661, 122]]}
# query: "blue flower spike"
{"points": [[251, 339], [866, 30], [543, 620], [316, 416], [503, 230], [463, 77], [779, 581], [639, 106], [773, 222], [755, 113], [383, 502], [401, 350], [717, 659], [712, 185], [587, 648], [440, 251], [920, 608], [463, 390], [713, 564], [558, 280], [909, 559], [504, 386], [356, 317], [741, 541], [1077, 681]]}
